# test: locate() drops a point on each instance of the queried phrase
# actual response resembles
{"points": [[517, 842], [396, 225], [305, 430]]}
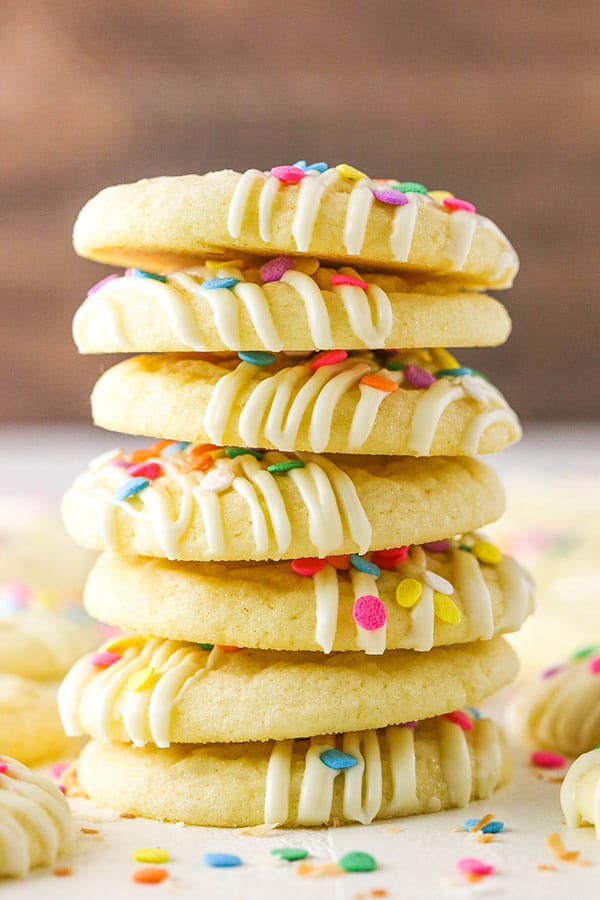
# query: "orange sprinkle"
{"points": [[555, 845], [341, 563], [380, 383], [199, 449], [159, 446], [62, 871], [226, 648], [310, 871], [198, 462], [482, 822], [89, 831], [138, 456], [152, 875], [473, 877], [546, 867], [485, 838], [127, 815]]}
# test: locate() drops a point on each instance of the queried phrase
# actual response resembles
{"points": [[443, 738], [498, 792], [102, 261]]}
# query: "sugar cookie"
{"points": [[35, 820], [172, 222], [149, 689], [397, 771], [185, 502], [30, 728], [360, 404], [270, 606], [299, 310]]}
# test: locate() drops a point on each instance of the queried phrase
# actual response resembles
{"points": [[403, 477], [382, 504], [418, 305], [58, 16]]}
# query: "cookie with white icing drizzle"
{"points": [[153, 690], [30, 726], [273, 606], [314, 310], [398, 771], [166, 223], [192, 502], [36, 826], [580, 792], [559, 709], [406, 404]]}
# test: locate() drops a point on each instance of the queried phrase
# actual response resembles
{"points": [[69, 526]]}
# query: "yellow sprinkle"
{"points": [[440, 196], [408, 592], [487, 553], [122, 643], [445, 608], [224, 263], [150, 855], [350, 172], [444, 360], [141, 680]]}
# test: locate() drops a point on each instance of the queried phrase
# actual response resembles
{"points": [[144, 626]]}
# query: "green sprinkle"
{"points": [[140, 273], [465, 547], [585, 651], [206, 646], [410, 187], [290, 853], [357, 861], [281, 467], [395, 366], [232, 452]]}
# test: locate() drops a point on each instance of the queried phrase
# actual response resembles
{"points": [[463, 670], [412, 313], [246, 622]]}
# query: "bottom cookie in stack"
{"points": [[246, 707]]}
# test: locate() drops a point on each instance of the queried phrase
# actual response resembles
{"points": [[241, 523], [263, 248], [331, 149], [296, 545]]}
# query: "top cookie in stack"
{"points": [[294, 289]]}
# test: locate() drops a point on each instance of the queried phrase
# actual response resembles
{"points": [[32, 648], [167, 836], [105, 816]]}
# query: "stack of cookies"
{"points": [[311, 616]]}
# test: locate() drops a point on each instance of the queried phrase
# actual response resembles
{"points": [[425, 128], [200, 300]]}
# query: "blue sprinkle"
{"points": [[140, 273], [473, 711], [301, 164], [364, 565], [451, 373], [257, 357], [214, 283], [493, 827], [173, 448], [221, 860], [336, 759], [131, 487], [313, 167]]}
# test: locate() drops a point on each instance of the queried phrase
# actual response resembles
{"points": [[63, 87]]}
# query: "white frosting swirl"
{"points": [[580, 792]]}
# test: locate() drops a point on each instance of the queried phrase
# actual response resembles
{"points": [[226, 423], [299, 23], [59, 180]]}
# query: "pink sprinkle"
{"points": [[58, 769], [276, 268], [389, 195], [418, 377], [3, 768], [553, 670], [62, 788], [547, 760], [437, 546], [120, 463], [104, 658], [470, 866], [594, 665], [308, 566], [395, 553], [330, 358], [460, 718], [99, 284], [349, 279], [291, 174], [150, 470], [369, 612], [454, 204]]}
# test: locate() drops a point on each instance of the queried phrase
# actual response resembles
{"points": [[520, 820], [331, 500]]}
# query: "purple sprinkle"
{"points": [[437, 546], [99, 284], [276, 268], [410, 724], [418, 377], [387, 195], [553, 670]]}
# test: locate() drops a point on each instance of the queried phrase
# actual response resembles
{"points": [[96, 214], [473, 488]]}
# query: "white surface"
{"points": [[417, 862]]}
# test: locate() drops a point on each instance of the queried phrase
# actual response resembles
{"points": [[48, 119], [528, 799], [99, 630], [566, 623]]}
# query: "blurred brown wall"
{"points": [[496, 101]]}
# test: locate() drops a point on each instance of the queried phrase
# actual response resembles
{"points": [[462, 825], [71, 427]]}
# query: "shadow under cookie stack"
{"points": [[310, 616]]}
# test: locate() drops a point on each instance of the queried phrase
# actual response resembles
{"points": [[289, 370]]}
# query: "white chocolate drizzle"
{"points": [[145, 714], [394, 749], [327, 493], [35, 820]]}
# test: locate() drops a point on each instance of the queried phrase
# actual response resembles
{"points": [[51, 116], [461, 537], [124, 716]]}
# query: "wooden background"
{"points": [[496, 101]]}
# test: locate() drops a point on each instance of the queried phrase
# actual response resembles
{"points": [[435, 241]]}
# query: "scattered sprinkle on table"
{"points": [[89, 831], [151, 855], [63, 871], [149, 876], [547, 760], [307, 870], [221, 860], [357, 861], [470, 866], [291, 854], [488, 824], [555, 845]]}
